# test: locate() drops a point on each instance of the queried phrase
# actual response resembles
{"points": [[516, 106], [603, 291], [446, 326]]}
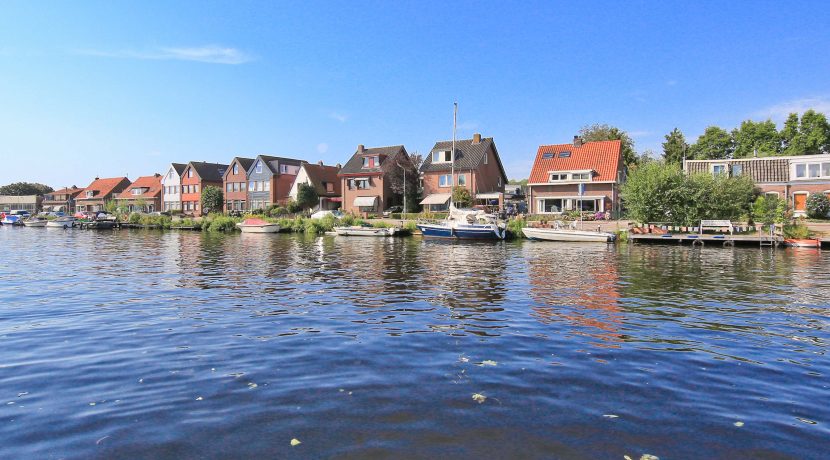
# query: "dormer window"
{"points": [[138, 191], [553, 177], [371, 162], [90, 193], [283, 169], [565, 154], [442, 156], [547, 155], [581, 176], [329, 187], [258, 167]]}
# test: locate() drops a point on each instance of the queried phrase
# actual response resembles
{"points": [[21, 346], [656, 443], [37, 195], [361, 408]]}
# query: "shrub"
{"points": [[222, 224], [515, 226], [796, 231], [818, 206], [134, 218], [293, 207], [277, 211], [410, 227], [769, 210]]}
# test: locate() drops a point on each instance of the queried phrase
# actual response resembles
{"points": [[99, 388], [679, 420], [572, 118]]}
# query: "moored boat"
{"points": [[258, 226], [802, 243], [35, 222], [566, 234], [464, 224], [357, 230], [9, 219], [61, 222]]}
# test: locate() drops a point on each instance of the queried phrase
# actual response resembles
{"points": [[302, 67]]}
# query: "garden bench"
{"points": [[716, 224]]}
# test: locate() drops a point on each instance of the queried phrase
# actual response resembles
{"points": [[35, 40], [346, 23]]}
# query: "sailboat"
{"points": [[463, 223]]}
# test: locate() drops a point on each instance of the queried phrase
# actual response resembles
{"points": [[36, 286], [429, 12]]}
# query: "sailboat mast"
{"points": [[452, 153]]}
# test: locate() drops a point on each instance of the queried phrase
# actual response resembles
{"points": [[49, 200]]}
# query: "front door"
{"points": [[800, 202]]}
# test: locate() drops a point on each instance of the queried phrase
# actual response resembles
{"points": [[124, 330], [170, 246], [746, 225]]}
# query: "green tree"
{"points": [[756, 137], [307, 196], [818, 206], [714, 144], [808, 136], [675, 147], [653, 192], [25, 188], [212, 199], [769, 209], [461, 197], [604, 132], [111, 207]]}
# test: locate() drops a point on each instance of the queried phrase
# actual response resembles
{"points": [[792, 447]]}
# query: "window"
{"points": [[229, 187], [801, 171], [137, 191], [251, 186], [90, 194], [190, 172], [565, 154], [266, 186], [557, 176], [195, 189], [258, 167], [485, 157], [581, 176], [718, 169], [445, 180], [825, 169], [362, 184], [814, 169], [329, 186], [587, 205], [771, 194], [551, 205], [170, 174], [737, 170], [462, 179], [547, 155], [441, 156], [236, 168]]}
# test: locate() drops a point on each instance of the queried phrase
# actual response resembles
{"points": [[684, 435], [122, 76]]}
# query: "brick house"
{"points": [[324, 180], [270, 179], [478, 168], [235, 182], [171, 187], [62, 200], [582, 176], [196, 176], [365, 179], [99, 192], [792, 178], [143, 195]]}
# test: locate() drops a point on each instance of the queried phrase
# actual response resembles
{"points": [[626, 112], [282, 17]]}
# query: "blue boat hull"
{"points": [[468, 232]]}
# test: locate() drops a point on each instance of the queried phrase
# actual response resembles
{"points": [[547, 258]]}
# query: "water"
{"points": [[142, 344]]}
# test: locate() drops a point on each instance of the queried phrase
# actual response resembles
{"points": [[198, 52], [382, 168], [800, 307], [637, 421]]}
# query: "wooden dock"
{"points": [[704, 239]]}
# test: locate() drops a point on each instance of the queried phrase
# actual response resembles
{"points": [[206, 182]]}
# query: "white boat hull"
{"points": [[34, 223], [269, 228], [550, 234], [364, 231], [60, 223]]}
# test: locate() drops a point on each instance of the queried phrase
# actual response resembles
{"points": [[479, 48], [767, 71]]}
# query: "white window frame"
{"points": [[445, 180], [559, 177], [462, 179], [724, 166], [258, 167], [235, 169], [190, 172], [541, 205], [587, 177]]}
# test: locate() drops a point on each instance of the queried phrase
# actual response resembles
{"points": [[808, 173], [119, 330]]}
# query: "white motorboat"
{"points": [[258, 226], [558, 233], [357, 230], [61, 222], [35, 222]]}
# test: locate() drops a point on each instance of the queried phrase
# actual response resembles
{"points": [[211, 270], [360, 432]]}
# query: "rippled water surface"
{"points": [[139, 344]]}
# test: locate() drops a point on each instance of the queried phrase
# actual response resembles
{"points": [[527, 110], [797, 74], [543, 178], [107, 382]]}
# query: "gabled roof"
{"points": [[103, 187], [273, 163], [151, 183], [67, 191], [179, 167], [211, 172], [468, 155], [355, 163], [244, 163], [603, 157], [318, 174]]}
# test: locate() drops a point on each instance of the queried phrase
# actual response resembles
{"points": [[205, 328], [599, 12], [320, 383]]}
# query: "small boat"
{"points": [[464, 224], [558, 233], [98, 224], [35, 222], [802, 243], [258, 226], [61, 222], [358, 230], [10, 219]]}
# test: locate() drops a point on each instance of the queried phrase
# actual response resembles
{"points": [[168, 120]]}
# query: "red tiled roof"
{"points": [[102, 187], [152, 183], [67, 191], [604, 157]]}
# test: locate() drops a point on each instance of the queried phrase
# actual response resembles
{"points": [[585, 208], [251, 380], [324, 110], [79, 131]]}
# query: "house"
{"points": [[793, 178], [143, 195], [582, 176], [171, 187], [324, 180], [270, 179], [478, 168], [31, 203], [196, 176], [62, 200], [235, 182], [99, 192], [366, 179]]}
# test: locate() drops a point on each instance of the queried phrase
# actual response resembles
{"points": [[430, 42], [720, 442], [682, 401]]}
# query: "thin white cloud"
{"points": [[342, 118], [639, 134], [211, 54], [779, 112], [468, 126], [322, 147]]}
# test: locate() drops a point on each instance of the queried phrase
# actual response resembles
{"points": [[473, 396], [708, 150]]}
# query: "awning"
{"points": [[436, 198], [488, 196], [365, 201], [335, 199]]}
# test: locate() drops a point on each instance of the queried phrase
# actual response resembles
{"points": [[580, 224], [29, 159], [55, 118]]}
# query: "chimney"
{"points": [[360, 148], [338, 166], [320, 163], [577, 141], [477, 138]]}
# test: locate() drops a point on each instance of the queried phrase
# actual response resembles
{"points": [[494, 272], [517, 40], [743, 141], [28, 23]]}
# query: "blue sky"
{"points": [[113, 88]]}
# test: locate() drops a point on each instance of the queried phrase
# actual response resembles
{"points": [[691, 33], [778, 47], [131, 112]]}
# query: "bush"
{"points": [[769, 210], [293, 207], [222, 224], [410, 227], [796, 231], [277, 211], [818, 206], [515, 226], [134, 218]]}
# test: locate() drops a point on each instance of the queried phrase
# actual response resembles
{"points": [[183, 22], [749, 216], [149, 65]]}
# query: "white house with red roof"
{"points": [[582, 176]]}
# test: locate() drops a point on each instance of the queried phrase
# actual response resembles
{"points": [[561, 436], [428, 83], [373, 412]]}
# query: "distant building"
{"points": [[99, 192], [324, 180], [270, 179], [365, 179], [31, 203], [793, 178], [196, 176], [143, 195], [478, 168], [171, 187], [235, 182], [62, 200], [577, 176]]}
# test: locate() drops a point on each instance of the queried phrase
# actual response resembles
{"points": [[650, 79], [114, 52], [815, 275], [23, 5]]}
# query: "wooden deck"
{"points": [[706, 239]]}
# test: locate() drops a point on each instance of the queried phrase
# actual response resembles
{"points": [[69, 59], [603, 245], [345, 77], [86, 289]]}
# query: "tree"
{"points": [[675, 147], [714, 144], [818, 206], [808, 136], [461, 197], [652, 192], [761, 138], [212, 199], [25, 188], [769, 209], [307, 196], [395, 170], [522, 182], [604, 132]]}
